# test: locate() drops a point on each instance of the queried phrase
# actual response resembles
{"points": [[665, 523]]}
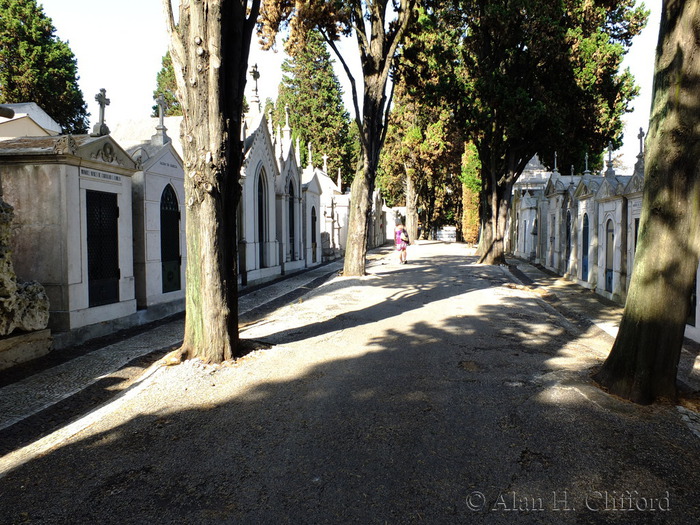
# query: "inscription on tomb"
{"points": [[96, 174]]}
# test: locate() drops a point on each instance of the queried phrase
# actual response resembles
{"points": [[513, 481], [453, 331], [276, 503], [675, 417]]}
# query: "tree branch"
{"points": [[177, 49], [387, 110], [353, 85]]}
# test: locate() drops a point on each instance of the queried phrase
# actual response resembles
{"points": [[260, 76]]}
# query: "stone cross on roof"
{"points": [[161, 137], [255, 100], [325, 163], [641, 142], [610, 171], [101, 128], [160, 102], [555, 161]]}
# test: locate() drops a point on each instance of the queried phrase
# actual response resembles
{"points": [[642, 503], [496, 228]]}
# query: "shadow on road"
{"points": [[450, 399]]}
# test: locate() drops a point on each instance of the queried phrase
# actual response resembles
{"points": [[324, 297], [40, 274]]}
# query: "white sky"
{"points": [[119, 46]]}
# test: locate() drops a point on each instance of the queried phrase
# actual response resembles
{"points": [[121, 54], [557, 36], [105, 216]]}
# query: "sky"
{"points": [[119, 47]]}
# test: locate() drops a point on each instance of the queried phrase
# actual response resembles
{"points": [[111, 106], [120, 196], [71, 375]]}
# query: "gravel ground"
{"points": [[433, 392]]}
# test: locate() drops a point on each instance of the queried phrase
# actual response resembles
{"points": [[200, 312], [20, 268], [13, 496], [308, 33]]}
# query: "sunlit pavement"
{"points": [[439, 391]]}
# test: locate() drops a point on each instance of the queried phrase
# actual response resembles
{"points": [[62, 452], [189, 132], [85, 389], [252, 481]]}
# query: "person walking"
{"points": [[402, 241]]}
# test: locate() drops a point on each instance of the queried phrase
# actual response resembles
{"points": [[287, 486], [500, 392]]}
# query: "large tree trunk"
{"points": [[377, 42], [491, 245], [209, 49], [372, 131], [411, 206], [643, 362]]}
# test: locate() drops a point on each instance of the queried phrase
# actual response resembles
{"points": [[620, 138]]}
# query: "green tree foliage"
{"points": [[314, 98], [36, 66], [533, 77], [421, 160], [167, 86]]}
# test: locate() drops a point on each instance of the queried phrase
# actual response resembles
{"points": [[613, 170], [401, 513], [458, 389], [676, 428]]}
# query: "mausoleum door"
{"points": [[313, 234], [261, 221], [170, 240], [102, 214], [584, 248], [568, 240], [609, 254], [291, 220]]}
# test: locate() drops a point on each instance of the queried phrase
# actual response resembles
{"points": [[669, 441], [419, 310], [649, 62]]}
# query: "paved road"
{"points": [[435, 392]]}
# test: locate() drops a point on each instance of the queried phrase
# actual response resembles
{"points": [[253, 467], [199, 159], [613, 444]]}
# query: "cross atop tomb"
{"points": [[255, 74], [610, 171], [161, 137], [641, 142], [310, 163], [555, 161], [160, 102], [586, 161], [101, 128], [325, 163]]}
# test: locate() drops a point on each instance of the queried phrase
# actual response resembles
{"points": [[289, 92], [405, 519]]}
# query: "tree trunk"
{"points": [[411, 206], [359, 221], [643, 363], [491, 244], [377, 42], [373, 123], [209, 49]]}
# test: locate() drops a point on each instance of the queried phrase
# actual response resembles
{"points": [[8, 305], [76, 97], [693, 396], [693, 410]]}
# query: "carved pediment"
{"points": [[553, 188], [107, 154], [581, 190], [606, 190], [635, 185], [586, 188], [106, 150]]}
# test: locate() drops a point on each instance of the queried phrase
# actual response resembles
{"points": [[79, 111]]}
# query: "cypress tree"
{"points": [[316, 112], [37, 66]]}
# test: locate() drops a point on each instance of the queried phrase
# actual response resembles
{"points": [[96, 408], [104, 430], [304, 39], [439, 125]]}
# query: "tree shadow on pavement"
{"points": [[477, 408]]}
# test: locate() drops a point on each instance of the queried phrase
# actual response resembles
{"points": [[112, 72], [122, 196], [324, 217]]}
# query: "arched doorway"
{"points": [[584, 248], [170, 240], [609, 254], [261, 214], [291, 220], [568, 239], [313, 234]]}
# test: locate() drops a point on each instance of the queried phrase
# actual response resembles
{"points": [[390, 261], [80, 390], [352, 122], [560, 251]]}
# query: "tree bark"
{"points": [[411, 206], [493, 228], [643, 363], [209, 48]]}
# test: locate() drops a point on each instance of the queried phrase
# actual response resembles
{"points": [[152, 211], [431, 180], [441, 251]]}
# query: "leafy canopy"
{"points": [[36, 66]]}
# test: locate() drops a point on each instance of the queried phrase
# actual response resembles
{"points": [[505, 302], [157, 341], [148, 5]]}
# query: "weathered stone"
{"points": [[23, 306]]}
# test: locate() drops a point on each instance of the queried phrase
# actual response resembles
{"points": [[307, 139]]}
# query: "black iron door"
{"points": [[170, 240], [102, 215]]}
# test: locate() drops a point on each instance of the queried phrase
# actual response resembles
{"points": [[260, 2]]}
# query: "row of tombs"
{"points": [[584, 227], [99, 221]]}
